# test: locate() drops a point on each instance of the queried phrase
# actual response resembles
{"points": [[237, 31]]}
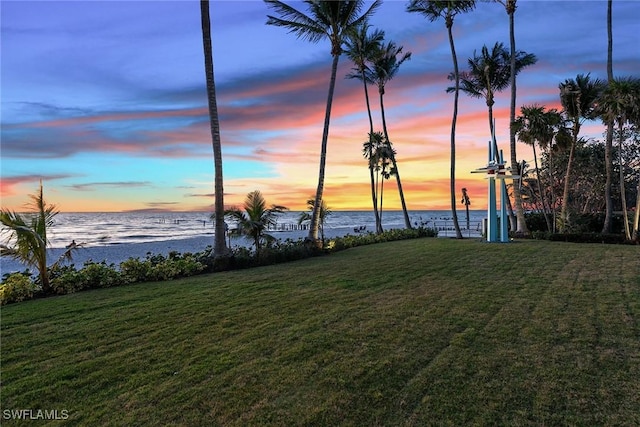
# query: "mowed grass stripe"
{"points": [[419, 332]]}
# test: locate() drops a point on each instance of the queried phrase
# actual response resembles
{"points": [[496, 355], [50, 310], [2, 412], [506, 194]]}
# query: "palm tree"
{"points": [[490, 72], [619, 103], [28, 242], [578, 97], [510, 8], [608, 148], [360, 47], [385, 66], [332, 20], [447, 9], [466, 201], [375, 150], [537, 126], [325, 211], [255, 219], [220, 245]]}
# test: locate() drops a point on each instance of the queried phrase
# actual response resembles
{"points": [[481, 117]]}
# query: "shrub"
{"points": [[17, 287]]}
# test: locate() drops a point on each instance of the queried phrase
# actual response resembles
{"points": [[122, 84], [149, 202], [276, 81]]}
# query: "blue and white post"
{"points": [[504, 219], [492, 216]]}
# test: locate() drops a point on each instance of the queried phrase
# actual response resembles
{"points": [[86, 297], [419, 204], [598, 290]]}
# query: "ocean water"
{"points": [[117, 228]]}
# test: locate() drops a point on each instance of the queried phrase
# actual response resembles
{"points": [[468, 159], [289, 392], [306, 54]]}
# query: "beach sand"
{"points": [[117, 253]]}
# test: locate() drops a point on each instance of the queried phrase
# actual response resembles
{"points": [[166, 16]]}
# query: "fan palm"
{"points": [[385, 66], [578, 98], [28, 242], [256, 218], [447, 9], [332, 20], [537, 126], [360, 48], [619, 103], [220, 245]]}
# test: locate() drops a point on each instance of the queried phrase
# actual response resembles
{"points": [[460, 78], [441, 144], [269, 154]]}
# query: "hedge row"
{"points": [[67, 279]]}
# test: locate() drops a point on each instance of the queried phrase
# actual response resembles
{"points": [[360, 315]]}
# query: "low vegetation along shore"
{"points": [[414, 332]]}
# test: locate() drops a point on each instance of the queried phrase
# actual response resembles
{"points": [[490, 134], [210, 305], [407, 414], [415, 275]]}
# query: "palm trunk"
{"points": [[544, 205], [374, 197], [567, 176], [623, 195], [636, 220], [608, 150], [315, 217], [454, 119], [220, 244], [407, 221], [521, 227]]}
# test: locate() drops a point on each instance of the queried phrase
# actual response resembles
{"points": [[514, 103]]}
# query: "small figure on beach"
{"points": [[71, 245]]}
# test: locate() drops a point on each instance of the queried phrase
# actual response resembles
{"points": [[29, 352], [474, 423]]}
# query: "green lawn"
{"points": [[417, 332]]}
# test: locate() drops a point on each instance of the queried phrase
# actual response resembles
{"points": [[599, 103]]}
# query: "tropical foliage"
{"points": [[256, 219], [27, 239]]}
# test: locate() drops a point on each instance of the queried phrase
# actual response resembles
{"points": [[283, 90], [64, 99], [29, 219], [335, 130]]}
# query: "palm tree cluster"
{"points": [[376, 63], [345, 24], [557, 133]]}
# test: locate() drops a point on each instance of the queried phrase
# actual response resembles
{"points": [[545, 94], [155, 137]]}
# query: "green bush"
{"points": [[67, 279], [17, 287]]}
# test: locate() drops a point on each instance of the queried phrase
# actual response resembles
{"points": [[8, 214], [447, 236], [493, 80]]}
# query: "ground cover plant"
{"points": [[413, 332]]}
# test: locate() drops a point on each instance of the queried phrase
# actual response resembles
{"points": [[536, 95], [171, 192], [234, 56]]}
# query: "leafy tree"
{"points": [[386, 64], [360, 48], [28, 242], [332, 20], [447, 9], [578, 97], [325, 211], [256, 219], [220, 245]]}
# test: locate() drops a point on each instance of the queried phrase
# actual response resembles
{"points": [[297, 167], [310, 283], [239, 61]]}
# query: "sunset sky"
{"points": [[106, 101]]}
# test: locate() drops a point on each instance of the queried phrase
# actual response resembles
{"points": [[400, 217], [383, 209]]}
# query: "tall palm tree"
{"points": [[608, 148], [537, 126], [360, 48], [220, 245], [619, 103], [332, 20], [385, 66], [28, 241], [578, 98], [447, 9], [255, 219], [510, 8]]}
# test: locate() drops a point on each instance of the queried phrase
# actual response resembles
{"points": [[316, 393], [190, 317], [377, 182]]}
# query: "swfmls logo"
{"points": [[35, 414]]}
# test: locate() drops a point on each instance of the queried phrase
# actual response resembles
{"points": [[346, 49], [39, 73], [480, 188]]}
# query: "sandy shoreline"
{"points": [[120, 252]]}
